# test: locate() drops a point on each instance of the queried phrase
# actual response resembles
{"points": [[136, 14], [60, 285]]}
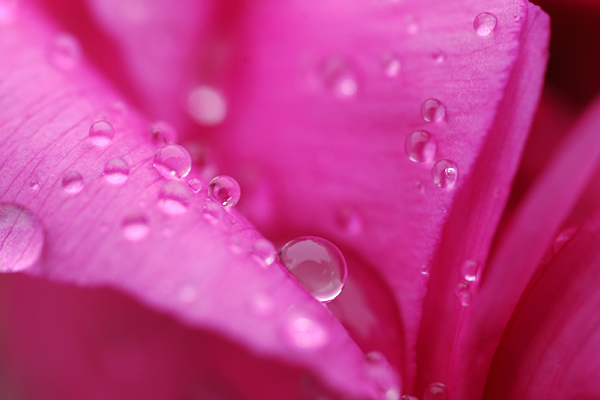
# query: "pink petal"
{"points": [[122, 233]]}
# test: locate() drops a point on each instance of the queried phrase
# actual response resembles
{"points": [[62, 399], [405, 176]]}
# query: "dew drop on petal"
{"points": [[135, 227], [391, 64], [195, 185], [382, 372], [163, 133], [339, 77], [464, 294], [21, 238], [349, 221], [173, 161], [116, 171], [264, 251], [305, 333], [101, 133], [64, 52], [72, 182], [445, 174], [317, 264], [484, 23], [224, 190], [34, 185], [438, 57], [436, 391], [562, 238], [470, 270], [420, 146], [207, 105], [174, 198], [432, 110]]}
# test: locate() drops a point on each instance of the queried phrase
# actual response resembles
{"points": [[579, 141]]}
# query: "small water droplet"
{"points": [[173, 161], [207, 105], [424, 269], [21, 238], [224, 190], [445, 174], [438, 57], [339, 78], [349, 221], [464, 294], [432, 110], [516, 17], [261, 306], [420, 146], [470, 270], [163, 133], [101, 133], [64, 52], [317, 264], [34, 185], [72, 182], [391, 64], [484, 23], [305, 333], [116, 171], [264, 251], [174, 198], [135, 227], [562, 238], [436, 391], [382, 372], [195, 185], [419, 187]]}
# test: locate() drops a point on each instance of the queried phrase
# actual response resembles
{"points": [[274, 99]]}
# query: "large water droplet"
{"points": [[72, 182], [101, 133], [135, 227], [174, 198], [339, 77], [317, 265], [305, 333], [116, 171], [224, 190], [163, 133], [391, 64], [485, 23], [445, 174], [432, 110], [382, 372], [173, 161], [64, 52], [420, 146], [21, 238], [436, 391], [470, 270], [207, 105]]}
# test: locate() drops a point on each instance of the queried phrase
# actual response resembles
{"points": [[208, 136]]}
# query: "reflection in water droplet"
{"points": [[464, 294], [382, 372], [349, 221], [72, 182], [64, 52], [163, 133], [339, 78], [305, 333], [21, 238], [436, 391], [420, 146], [392, 66], [432, 110], [173, 161], [101, 133], [207, 105], [470, 270], [195, 185], [317, 264], [116, 171], [484, 23], [174, 198], [135, 227], [224, 190], [445, 174]]}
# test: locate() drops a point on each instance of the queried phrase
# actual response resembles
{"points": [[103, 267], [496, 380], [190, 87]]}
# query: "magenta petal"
{"points": [[110, 219]]}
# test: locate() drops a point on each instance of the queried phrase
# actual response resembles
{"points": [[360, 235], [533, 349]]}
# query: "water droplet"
{"points": [[464, 294], [438, 57], [212, 212], [34, 185], [470, 270], [392, 66], [562, 238], [339, 77], [101, 133], [207, 105], [72, 182], [195, 185], [349, 221], [163, 133], [261, 306], [445, 174], [174, 198], [485, 23], [424, 269], [135, 227], [264, 251], [436, 391], [224, 190], [433, 110], [173, 161], [420, 146], [64, 52], [317, 265], [382, 372], [21, 238], [516, 17], [116, 171], [305, 333]]}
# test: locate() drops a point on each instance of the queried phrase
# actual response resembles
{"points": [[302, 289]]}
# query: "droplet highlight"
{"points": [[135, 227], [339, 77], [207, 106], [485, 23], [470, 270], [305, 333], [21, 238], [64, 52], [432, 110], [173, 161], [224, 190], [420, 146], [174, 198], [317, 264], [101, 133], [116, 171], [72, 182], [436, 391], [445, 174]]}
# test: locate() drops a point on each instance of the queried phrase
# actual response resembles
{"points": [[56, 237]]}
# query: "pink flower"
{"points": [[394, 129]]}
